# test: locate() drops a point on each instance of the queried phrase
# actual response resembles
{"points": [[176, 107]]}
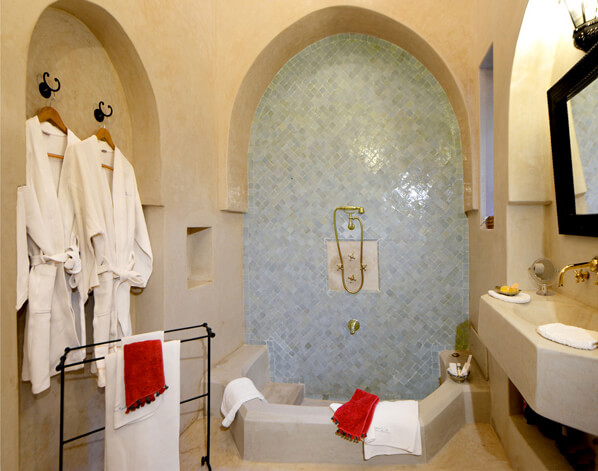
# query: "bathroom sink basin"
{"points": [[559, 382]]}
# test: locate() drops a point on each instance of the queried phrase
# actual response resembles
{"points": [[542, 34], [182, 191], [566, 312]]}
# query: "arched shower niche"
{"points": [[353, 119]]}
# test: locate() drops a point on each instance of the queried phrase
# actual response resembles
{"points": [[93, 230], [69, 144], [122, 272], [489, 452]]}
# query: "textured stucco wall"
{"points": [[195, 56]]}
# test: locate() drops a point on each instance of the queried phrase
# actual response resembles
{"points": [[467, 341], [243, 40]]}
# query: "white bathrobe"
{"points": [[113, 233], [48, 258]]}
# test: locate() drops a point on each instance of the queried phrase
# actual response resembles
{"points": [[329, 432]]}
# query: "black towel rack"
{"points": [[63, 365]]}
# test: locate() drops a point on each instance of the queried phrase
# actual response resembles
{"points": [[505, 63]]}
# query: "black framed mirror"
{"points": [[572, 106]]}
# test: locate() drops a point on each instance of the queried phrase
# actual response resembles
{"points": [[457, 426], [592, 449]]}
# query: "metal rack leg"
{"points": [[61, 419], [206, 459]]}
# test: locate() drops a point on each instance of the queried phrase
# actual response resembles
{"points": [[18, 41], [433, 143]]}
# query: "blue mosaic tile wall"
{"points": [[354, 120]]}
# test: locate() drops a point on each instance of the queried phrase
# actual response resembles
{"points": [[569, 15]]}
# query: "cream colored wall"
{"points": [[196, 56], [63, 46], [496, 23], [525, 66], [525, 213], [2, 291], [543, 54], [175, 48]]}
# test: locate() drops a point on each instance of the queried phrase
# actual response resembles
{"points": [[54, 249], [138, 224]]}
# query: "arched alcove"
{"points": [[140, 98], [86, 47], [307, 30], [63, 46]]}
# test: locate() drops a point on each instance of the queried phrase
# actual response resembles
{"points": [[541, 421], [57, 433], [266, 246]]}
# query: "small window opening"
{"points": [[487, 140]]}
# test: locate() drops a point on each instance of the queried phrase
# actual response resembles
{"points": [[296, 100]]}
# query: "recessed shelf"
{"points": [[200, 260], [351, 250]]}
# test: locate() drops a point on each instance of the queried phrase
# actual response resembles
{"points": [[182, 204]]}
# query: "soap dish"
{"points": [[457, 379]]}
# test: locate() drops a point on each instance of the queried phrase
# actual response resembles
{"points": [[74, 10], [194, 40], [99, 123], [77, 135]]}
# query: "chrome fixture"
{"points": [[353, 326], [580, 274], [350, 211], [584, 15]]}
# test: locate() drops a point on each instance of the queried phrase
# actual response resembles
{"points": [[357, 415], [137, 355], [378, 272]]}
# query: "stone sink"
{"points": [[559, 382]]}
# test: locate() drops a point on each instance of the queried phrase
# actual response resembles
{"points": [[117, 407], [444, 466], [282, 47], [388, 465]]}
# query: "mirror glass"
{"points": [[572, 106], [583, 129]]}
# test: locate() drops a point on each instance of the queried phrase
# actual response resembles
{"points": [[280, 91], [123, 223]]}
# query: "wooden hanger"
{"points": [[104, 135], [47, 113]]}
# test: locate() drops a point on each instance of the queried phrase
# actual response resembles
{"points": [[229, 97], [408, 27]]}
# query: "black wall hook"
{"points": [[44, 89], [99, 113]]}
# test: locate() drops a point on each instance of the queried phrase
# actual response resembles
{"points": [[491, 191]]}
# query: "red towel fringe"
{"points": [[147, 400], [354, 417]]}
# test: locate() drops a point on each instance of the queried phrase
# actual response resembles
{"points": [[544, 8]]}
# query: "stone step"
{"points": [[283, 393], [250, 361], [308, 401]]}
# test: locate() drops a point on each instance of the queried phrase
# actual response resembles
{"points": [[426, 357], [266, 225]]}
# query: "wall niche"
{"points": [[200, 262]]}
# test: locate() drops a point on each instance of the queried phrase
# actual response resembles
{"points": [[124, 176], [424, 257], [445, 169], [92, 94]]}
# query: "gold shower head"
{"points": [[359, 209]]}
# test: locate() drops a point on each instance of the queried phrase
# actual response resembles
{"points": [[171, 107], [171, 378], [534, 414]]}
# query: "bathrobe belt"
{"points": [[70, 258], [121, 276], [125, 274]]}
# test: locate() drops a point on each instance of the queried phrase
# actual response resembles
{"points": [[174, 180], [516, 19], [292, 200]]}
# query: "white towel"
{"points": [[237, 392], [151, 444], [520, 298], [572, 336], [395, 430]]}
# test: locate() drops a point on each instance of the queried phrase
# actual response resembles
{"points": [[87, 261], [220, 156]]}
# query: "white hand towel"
{"points": [[237, 392], [520, 298], [395, 430], [572, 336], [151, 444]]}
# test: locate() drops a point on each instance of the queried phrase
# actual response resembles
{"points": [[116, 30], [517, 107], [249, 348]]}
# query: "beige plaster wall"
{"points": [[63, 46], [525, 66], [543, 54], [165, 61], [497, 24], [197, 56], [532, 49]]}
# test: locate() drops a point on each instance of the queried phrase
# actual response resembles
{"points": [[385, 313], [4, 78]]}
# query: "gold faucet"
{"points": [[580, 275], [353, 326]]}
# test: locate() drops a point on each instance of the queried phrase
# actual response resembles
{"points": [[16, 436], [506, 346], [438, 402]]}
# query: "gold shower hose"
{"points": [[350, 210]]}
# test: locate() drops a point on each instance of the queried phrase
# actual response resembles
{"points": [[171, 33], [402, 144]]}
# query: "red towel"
{"points": [[354, 417], [144, 373]]}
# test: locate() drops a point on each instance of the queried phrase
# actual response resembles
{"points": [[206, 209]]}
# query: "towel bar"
{"points": [[63, 365]]}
